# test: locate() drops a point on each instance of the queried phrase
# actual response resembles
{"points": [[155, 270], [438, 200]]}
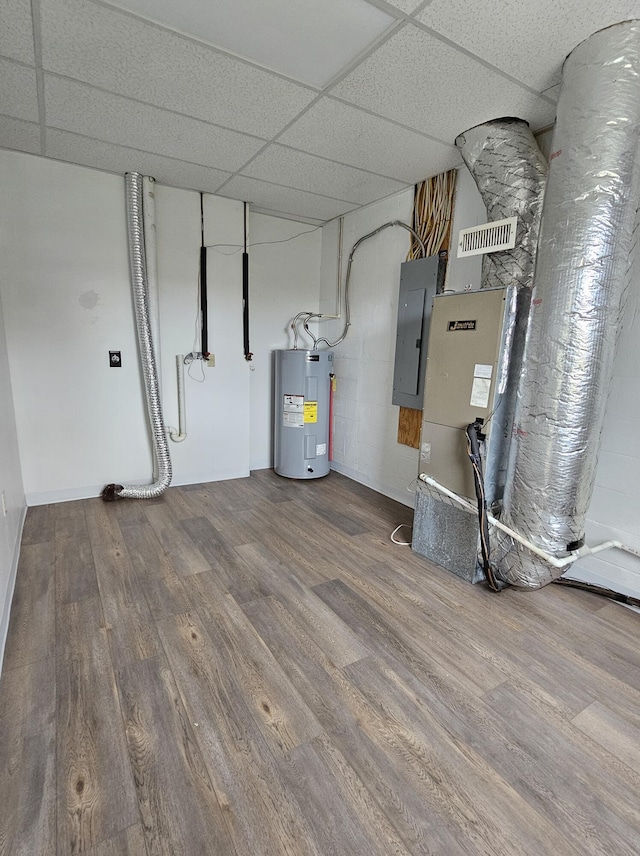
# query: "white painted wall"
{"points": [[468, 210], [82, 424], [10, 485], [217, 399], [284, 280], [66, 292], [366, 423]]}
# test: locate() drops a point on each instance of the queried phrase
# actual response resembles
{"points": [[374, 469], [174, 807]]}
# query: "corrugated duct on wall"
{"points": [[582, 270], [140, 294]]}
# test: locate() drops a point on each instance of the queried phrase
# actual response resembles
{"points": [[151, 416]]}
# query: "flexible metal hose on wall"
{"points": [[139, 287], [582, 270]]}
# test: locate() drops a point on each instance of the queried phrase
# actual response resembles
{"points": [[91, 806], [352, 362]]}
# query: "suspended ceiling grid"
{"points": [[305, 108]]}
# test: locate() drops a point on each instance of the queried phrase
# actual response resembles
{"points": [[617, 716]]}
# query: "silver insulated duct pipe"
{"points": [[140, 292], [581, 274], [510, 172]]}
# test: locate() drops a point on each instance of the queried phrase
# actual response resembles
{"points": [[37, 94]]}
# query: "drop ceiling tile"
{"points": [[18, 92], [284, 200], [78, 108], [528, 40], [19, 135], [302, 171], [304, 39], [407, 6], [16, 35], [335, 130], [107, 156], [418, 80], [115, 51]]}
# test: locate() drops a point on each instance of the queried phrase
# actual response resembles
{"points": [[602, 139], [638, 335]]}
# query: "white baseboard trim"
{"points": [[6, 606], [71, 494], [405, 498]]}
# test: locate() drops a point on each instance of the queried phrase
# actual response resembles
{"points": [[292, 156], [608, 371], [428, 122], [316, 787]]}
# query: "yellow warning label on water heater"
{"points": [[310, 411]]}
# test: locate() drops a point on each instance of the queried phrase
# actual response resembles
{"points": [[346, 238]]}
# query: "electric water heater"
{"points": [[302, 404]]}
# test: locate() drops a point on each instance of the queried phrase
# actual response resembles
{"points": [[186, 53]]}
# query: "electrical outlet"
{"points": [[4, 505], [211, 361]]}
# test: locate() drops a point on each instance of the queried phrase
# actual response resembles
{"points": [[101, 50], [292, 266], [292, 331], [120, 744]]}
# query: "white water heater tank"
{"points": [[302, 404]]}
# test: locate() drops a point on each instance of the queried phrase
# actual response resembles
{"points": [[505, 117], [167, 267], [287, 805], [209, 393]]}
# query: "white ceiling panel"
{"points": [[284, 199], [16, 36], [418, 80], [114, 51], [16, 134], [407, 6], [107, 156], [83, 110], [309, 40], [528, 40], [18, 92], [338, 131], [302, 171]]}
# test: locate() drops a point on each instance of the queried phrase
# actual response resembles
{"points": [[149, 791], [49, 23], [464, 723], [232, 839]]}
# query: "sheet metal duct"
{"points": [[582, 270], [510, 172]]}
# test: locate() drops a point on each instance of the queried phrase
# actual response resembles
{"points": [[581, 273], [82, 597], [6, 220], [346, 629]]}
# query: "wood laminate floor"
{"points": [[252, 667]]}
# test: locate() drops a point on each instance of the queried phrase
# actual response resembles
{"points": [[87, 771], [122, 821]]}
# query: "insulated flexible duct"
{"points": [[139, 287], [582, 270], [510, 172]]}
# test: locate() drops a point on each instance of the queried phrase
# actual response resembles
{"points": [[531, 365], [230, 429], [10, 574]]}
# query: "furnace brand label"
{"points": [[461, 325], [293, 411]]}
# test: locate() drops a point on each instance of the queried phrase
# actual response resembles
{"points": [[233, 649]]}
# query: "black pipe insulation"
{"points": [[204, 314], [245, 291]]}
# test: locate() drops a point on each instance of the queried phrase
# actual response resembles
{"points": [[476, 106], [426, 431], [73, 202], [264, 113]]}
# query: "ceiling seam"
{"points": [[134, 149], [298, 190], [195, 40], [37, 58], [341, 163], [156, 107], [230, 174], [505, 74], [393, 30], [387, 119]]}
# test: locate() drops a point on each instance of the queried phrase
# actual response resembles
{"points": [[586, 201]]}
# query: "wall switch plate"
{"points": [[115, 359], [4, 505], [211, 361]]}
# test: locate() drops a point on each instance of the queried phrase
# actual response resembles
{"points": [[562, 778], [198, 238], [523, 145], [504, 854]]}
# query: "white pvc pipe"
{"points": [[181, 434], [551, 560]]}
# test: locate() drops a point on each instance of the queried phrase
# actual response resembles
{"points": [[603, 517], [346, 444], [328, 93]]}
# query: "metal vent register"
{"points": [[488, 238]]}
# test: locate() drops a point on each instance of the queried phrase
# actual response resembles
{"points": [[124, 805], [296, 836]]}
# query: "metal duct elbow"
{"points": [[582, 270], [140, 292], [510, 172]]}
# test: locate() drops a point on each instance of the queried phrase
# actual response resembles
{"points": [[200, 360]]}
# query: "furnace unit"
{"points": [[467, 371]]}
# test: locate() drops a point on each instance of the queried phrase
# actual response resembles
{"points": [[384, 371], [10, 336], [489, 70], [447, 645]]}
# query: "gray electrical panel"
{"points": [[419, 282], [301, 424]]}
